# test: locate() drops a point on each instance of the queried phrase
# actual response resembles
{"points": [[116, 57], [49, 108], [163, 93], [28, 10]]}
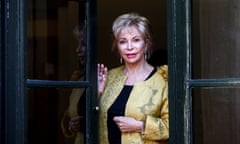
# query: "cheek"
{"points": [[120, 51], [122, 46], [141, 46]]}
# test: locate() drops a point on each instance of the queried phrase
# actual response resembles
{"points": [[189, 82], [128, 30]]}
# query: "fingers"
{"points": [[102, 71], [123, 127], [119, 123], [102, 68], [102, 78], [118, 118], [74, 123], [74, 126], [76, 118]]}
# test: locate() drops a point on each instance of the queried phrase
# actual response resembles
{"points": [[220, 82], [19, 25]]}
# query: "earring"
{"points": [[121, 60], [145, 56]]}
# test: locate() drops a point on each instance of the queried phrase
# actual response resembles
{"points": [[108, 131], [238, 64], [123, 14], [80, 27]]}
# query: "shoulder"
{"points": [[163, 72], [75, 75], [116, 70], [115, 75]]}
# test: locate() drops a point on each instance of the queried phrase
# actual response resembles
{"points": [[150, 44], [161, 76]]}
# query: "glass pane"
{"points": [[50, 110], [216, 30], [216, 115], [56, 48]]}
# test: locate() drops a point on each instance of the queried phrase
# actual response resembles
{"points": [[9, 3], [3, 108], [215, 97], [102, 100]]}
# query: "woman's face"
{"points": [[80, 50], [131, 45]]}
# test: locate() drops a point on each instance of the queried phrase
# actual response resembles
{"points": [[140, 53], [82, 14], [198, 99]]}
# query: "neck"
{"points": [[136, 68], [137, 73]]}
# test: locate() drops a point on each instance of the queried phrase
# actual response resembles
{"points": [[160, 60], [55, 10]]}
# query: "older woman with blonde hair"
{"points": [[133, 97], [74, 119]]}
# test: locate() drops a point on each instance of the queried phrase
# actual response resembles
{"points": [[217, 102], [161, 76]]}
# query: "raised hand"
{"points": [[102, 78]]}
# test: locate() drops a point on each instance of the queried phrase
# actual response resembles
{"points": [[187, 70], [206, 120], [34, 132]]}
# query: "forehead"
{"points": [[129, 31]]}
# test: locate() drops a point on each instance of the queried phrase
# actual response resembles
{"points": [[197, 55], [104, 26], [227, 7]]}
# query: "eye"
{"points": [[121, 41], [137, 39]]}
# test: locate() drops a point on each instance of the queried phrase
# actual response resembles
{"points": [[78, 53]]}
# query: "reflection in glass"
{"points": [[216, 117], [50, 111], [56, 51], [52, 42], [216, 30]]}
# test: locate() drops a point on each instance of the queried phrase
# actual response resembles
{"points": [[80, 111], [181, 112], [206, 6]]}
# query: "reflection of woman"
{"points": [[73, 122], [134, 96]]}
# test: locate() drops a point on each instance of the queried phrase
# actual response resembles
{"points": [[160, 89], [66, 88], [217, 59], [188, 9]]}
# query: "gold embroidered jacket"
{"points": [[147, 102], [72, 111]]}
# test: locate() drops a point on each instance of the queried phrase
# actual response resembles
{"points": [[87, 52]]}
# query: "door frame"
{"points": [[13, 115], [179, 45]]}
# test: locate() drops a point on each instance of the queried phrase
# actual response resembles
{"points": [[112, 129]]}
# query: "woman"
{"points": [[134, 96], [73, 121]]}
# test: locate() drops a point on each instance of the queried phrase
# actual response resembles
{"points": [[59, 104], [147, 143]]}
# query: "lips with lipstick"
{"points": [[133, 55]]}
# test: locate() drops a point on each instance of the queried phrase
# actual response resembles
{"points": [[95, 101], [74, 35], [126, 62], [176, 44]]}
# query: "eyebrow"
{"points": [[137, 36]]}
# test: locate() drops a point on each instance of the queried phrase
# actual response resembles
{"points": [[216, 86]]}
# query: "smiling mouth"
{"points": [[131, 55]]}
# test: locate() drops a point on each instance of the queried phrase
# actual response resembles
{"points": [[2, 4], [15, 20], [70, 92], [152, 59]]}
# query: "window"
{"points": [[203, 71], [32, 87]]}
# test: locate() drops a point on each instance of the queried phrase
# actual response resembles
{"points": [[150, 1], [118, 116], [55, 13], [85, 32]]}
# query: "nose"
{"points": [[129, 46], [78, 48]]}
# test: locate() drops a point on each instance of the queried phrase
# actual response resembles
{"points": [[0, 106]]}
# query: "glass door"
{"points": [[215, 60], [48, 56], [61, 72], [204, 71]]}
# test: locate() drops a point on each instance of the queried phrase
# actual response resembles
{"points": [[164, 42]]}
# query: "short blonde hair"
{"points": [[132, 19], [80, 33]]}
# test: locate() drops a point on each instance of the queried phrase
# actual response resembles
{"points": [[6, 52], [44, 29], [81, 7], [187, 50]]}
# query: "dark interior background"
{"points": [[108, 10]]}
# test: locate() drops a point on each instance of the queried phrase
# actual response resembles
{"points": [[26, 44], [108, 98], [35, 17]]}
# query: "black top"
{"points": [[82, 113], [118, 109]]}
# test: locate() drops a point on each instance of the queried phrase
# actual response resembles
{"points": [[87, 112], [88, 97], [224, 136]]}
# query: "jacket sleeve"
{"points": [[157, 128], [65, 126]]}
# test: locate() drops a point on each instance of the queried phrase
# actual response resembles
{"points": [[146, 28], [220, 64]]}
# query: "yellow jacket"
{"points": [[147, 102], [72, 110]]}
